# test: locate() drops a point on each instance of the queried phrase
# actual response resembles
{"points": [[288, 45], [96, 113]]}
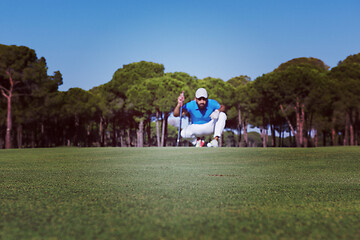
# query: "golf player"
{"points": [[207, 117]]}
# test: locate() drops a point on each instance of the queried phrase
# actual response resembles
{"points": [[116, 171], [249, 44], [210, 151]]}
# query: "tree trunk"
{"points": [[149, 131], [290, 139], [290, 125], [351, 130], [122, 141], [263, 136], [333, 142], [303, 138], [33, 139], [128, 137], [266, 137], [1, 142], [8, 95], [101, 131], [239, 125], [88, 134], [113, 135], [352, 142], [44, 136], [346, 134], [311, 131], [140, 134], [299, 135], [273, 137], [246, 141], [333, 132], [158, 129], [303, 128], [280, 136], [164, 129], [8, 124], [357, 123]]}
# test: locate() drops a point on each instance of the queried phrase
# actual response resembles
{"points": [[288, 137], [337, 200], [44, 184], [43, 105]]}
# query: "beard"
{"points": [[201, 105]]}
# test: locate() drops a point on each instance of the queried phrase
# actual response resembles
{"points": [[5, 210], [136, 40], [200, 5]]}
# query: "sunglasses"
{"points": [[202, 98]]}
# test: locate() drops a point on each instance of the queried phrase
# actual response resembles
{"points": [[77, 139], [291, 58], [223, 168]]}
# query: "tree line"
{"points": [[301, 103]]}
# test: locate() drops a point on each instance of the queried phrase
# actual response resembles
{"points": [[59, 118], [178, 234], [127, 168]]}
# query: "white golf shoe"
{"points": [[213, 143]]}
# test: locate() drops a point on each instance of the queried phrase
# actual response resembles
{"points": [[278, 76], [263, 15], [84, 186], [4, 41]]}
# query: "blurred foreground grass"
{"points": [[180, 193]]}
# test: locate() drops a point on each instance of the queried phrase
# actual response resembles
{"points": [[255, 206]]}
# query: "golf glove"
{"points": [[215, 115]]}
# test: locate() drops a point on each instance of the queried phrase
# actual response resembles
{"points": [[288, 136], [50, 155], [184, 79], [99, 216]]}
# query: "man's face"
{"points": [[201, 102]]}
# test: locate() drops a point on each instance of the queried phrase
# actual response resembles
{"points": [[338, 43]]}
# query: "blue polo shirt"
{"points": [[201, 116]]}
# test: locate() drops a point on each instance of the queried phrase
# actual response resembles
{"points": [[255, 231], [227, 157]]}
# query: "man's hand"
{"points": [[215, 115], [181, 99], [179, 105]]}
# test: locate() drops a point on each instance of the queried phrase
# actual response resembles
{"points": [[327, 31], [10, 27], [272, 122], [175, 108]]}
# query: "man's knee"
{"points": [[222, 116], [182, 133], [185, 133]]}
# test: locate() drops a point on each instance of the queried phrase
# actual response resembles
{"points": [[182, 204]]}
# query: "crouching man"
{"points": [[207, 116]]}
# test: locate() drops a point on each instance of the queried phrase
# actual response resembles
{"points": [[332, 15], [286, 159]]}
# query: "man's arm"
{"points": [[222, 108], [178, 106], [177, 110]]}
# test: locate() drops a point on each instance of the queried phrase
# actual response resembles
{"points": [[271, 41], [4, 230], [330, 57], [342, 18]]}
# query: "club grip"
{"points": [[182, 98]]}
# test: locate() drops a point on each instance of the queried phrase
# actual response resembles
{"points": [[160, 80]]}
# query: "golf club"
{"points": [[182, 100]]}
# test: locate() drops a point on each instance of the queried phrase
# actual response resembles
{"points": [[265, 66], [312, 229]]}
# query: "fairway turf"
{"points": [[180, 193]]}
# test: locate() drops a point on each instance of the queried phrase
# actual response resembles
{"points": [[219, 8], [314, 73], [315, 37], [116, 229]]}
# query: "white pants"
{"points": [[215, 127]]}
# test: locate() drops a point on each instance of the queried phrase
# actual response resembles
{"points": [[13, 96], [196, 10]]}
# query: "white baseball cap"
{"points": [[201, 92]]}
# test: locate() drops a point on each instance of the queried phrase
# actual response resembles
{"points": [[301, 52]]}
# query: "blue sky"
{"points": [[89, 40]]}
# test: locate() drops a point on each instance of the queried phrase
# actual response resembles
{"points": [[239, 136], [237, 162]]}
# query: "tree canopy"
{"points": [[299, 102]]}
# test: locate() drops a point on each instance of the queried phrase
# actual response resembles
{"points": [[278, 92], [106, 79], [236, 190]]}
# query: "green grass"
{"points": [[180, 193]]}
